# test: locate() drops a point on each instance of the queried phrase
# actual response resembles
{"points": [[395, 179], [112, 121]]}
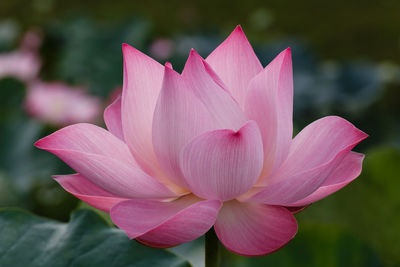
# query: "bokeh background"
{"points": [[346, 62]]}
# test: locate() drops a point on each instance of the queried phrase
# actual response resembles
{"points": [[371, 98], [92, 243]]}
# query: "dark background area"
{"points": [[335, 29]]}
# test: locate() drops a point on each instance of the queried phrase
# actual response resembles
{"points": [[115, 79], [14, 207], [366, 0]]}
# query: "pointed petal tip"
{"points": [[237, 34], [170, 76], [360, 134], [193, 62], [42, 142], [363, 135], [57, 177], [287, 53], [125, 46], [238, 29], [193, 53], [37, 143], [168, 71], [168, 65], [60, 176]]}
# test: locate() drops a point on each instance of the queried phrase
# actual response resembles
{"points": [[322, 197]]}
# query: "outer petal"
{"points": [[87, 138], [314, 154], [296, 186], [88, 192], [348, 170], [251, 229], [207, 86], [270, 103], [319, 143], [236, 63], [223, 164], [113, 120], [179, 116], [142, 84], [166, 224], [104, 160]]}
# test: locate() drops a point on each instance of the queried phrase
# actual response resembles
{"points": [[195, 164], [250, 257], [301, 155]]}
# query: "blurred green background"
{"points": [[346, 62]]}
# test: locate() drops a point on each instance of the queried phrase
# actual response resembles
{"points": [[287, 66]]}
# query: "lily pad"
{"points": [[87, 240]]}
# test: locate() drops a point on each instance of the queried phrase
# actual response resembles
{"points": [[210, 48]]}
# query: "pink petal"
{"points": [[87, 138], [314, 154], [207, 86], [320, 142], [223, 164], [166, 224], [88, 192], [112, 118], [270, 102], [348, 170], [251, 229], [236, 63], [142, 83], [179, 117], [103, 159]]}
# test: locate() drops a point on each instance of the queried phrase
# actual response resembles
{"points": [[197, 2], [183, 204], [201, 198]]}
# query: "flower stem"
{"points": [[212, 249]]}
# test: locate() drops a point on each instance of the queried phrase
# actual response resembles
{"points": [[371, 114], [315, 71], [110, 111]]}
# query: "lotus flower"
{"points": [[59, 104], [161, 48], [21, 65], [24, 63], [211, 147]]}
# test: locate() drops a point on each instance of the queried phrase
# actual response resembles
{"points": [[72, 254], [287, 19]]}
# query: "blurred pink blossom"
{"points": [[31, 41], [58, 104], [162, 48], [23, 63], [211, 147]]}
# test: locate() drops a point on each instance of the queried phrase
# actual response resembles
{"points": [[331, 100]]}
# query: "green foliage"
{"points": [[90, 55], [87, 240], [25, 170], [315, 245], [369, 206]]}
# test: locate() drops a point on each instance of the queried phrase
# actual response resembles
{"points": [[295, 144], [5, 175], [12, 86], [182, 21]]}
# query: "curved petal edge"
{"points": [[251, 229], [166, 224]]}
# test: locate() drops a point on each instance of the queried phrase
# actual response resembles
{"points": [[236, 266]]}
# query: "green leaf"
{"points": [[87, 240]]}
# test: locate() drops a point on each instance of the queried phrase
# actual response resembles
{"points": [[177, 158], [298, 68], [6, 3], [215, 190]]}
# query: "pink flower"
{"points": [[209, 147], [58, 104], [24, 63], [19, 64], [162, 48]]}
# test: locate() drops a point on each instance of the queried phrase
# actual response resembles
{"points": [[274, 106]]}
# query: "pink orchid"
{"points": [[59, 104], [209, 147]]}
